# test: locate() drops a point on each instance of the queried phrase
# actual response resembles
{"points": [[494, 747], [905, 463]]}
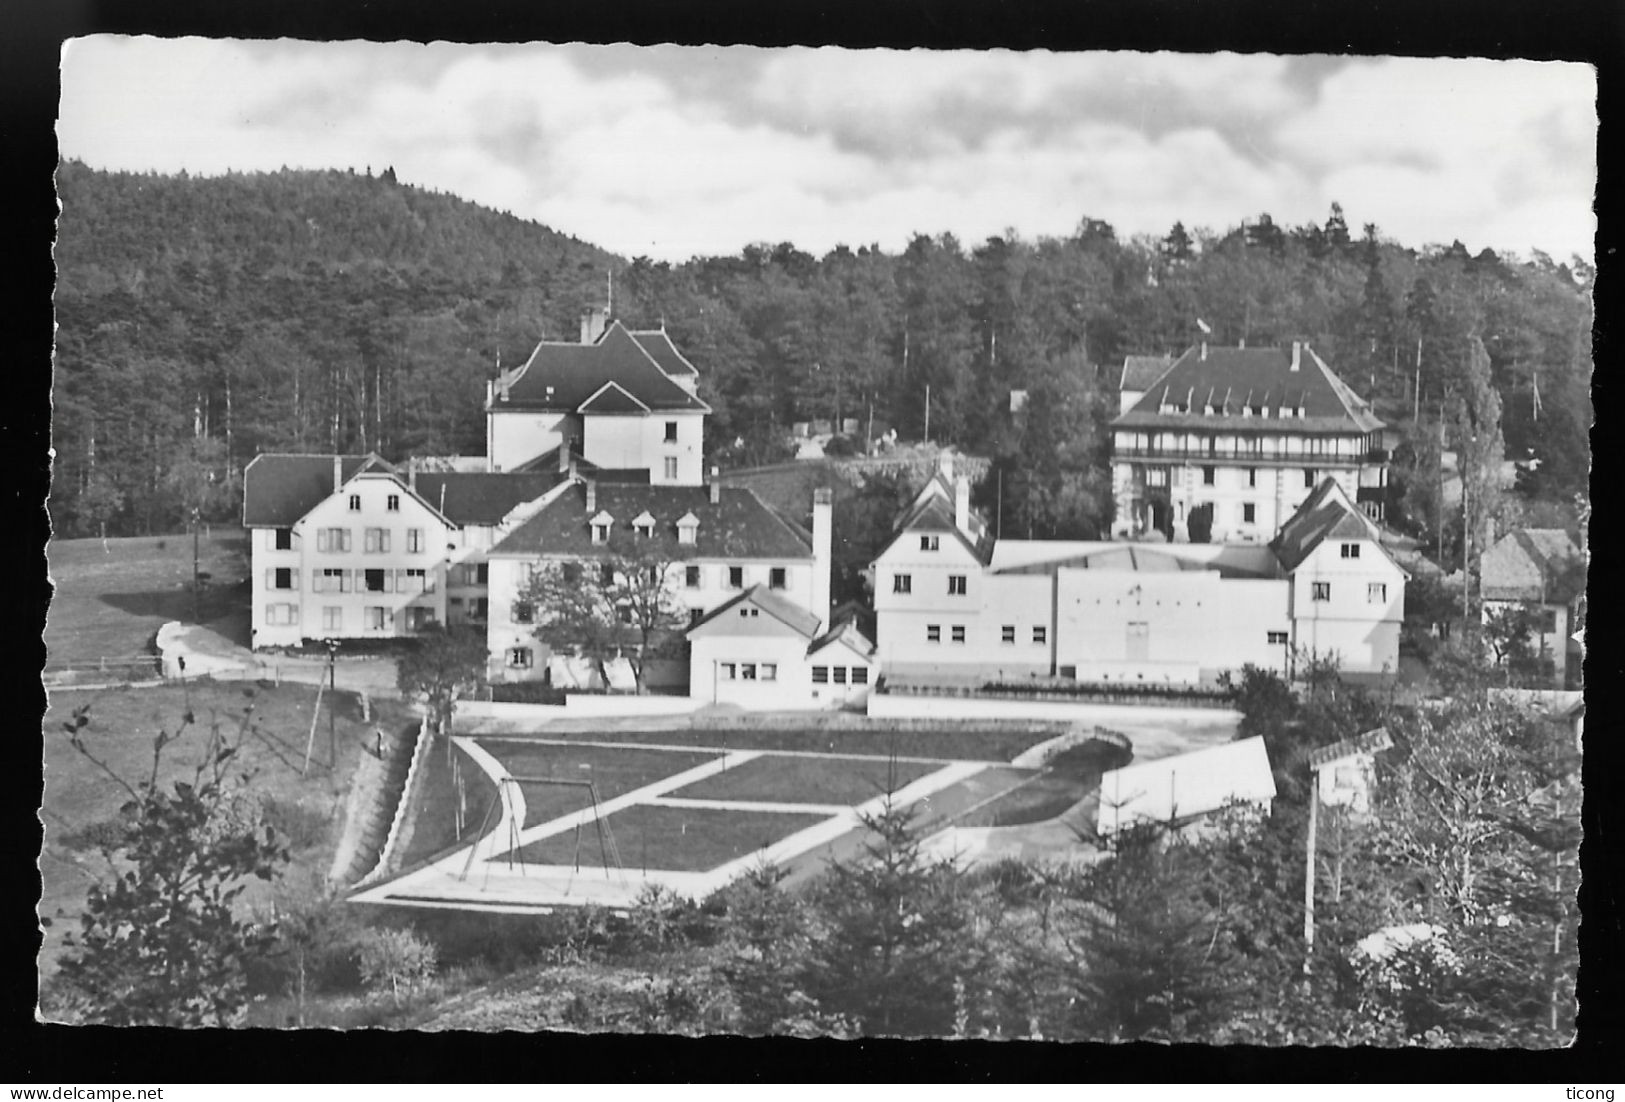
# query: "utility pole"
{"points": [[1309, 871], [928, 413], [197, 592], [332, 688]]}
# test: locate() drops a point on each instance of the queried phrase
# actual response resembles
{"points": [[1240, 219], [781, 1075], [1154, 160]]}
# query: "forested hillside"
{"points": [[203, 320]]}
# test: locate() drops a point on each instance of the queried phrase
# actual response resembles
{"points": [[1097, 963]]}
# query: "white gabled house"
{"points": [[762, 652]]}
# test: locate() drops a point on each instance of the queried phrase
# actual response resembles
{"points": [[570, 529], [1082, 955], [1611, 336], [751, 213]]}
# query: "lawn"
{"points": [[615, 771], [677, 839], [434, 814], [992, 744], [123, 722], [109, 603], [798, 780]]}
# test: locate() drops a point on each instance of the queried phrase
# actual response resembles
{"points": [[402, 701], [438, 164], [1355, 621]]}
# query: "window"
{"points": [[479, 609], [671, 434], [933, 633], [1040, 633], [482, 573], [413, 580], [736, 577], [840, 675], [376, 581], [333, 539], [671, 468], [902, 583], [959, 633], [1156, 476], [1007, 634], [930, 543], [282, 577], [1546, 621], [770, 671], [519, 658], [1350, 550], [330, 581], [393, 503], [747, 671], [332, 618], [1321, 591], [380, 618], [1252, 476], [606, 574], [776, 578], [280, 615], [728, 671], [600, 533], [1277, 638], [687, 533], [1208, 475], [1376, 593], [956, 585], [1308, 480], [695, 615], [691, 577], [375, 541], [282, 539], [623, 613], [860, 675], [419, 619], [1249, 512], [355, 503], [820, 675], [414, 541]]}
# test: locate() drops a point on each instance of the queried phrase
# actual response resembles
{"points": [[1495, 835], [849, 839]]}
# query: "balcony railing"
{"points": [[1240, 456]]}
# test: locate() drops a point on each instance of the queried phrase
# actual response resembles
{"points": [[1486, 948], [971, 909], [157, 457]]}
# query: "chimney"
{"points": [[962, 505], [564, 455], [716, 486], [338, 473], [823, 534], [1297, 355], [593, 323], [592, 498], [412, 474]]}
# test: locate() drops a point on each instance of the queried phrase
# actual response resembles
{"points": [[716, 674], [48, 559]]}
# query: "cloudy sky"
{"points": [[672, 151]]}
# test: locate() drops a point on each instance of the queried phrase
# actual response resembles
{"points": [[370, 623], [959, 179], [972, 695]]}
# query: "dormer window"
{"points": [[688, 529], [602, 525], [644, 525]]}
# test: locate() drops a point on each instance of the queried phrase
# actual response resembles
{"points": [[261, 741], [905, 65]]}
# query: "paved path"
{"points": [[212, 654], [484, 876]]}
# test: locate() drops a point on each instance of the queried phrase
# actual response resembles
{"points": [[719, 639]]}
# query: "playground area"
{"points": [[578, 822]]}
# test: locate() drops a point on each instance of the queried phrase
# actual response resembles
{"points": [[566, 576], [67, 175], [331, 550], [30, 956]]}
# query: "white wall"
{"points": [[515, 436], [894, 706], [307, 560], [638, 441], [1364, 634], [791, 686]]}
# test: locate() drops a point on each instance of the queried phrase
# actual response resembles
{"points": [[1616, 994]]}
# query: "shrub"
{"points": [[300, 826], [526, 692], [396, 959]]}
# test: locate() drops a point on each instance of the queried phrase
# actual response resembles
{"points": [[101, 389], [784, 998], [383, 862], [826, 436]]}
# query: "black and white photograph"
{"points": [[815, 542]]}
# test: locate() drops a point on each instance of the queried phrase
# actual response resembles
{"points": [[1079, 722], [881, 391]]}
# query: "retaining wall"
{"points": [[892, 705]]}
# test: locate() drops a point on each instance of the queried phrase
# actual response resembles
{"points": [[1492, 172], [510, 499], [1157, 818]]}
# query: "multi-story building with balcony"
{"points": [[1250, 432]]}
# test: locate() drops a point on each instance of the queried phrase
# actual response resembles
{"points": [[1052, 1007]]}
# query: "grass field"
{"points": [[123, 723], [806, 780], [613, 770], [678, 839], [109, 604], [991, 744]]}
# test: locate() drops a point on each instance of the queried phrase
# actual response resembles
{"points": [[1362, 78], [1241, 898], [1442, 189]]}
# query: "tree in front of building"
{"points": [[441, 667], [622, 604], [165, 942]]}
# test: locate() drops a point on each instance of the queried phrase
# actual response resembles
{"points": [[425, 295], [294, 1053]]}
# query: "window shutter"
{"points": [[316, 582], [270, 578], [293, 580]]}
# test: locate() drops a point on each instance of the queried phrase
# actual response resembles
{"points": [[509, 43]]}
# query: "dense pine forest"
{"points": [[203, 320]]}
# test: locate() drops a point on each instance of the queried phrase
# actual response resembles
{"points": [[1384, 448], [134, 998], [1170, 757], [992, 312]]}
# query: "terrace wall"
{"points": [[947, 708]]}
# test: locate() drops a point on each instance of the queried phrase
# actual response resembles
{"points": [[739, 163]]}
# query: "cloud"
{"points": [[673, 151]]}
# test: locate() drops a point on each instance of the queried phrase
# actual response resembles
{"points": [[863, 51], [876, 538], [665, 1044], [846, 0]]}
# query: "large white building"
{"points": [[953, 604], [1248, 431]]}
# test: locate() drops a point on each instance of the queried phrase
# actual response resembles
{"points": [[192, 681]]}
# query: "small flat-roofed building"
{"points": [[1179, 790]]}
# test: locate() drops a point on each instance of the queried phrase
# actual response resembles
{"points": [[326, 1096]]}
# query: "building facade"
{"points": [[1249, 432], [759, 651]]}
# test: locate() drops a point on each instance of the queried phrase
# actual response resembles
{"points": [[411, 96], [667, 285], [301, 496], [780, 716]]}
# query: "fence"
{"points": [[140, 669]]}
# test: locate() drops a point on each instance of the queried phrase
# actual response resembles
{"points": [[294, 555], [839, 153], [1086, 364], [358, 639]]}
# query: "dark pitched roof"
{"points": [[789, 613], [737, 526], [480, 497], [561, 376], [280, 489], [1324, 514], [1524, 563], [612, 397], [659, 346], [845, 632], [1139, 372], [935, 515], [1230, 378], [549, 461]]}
